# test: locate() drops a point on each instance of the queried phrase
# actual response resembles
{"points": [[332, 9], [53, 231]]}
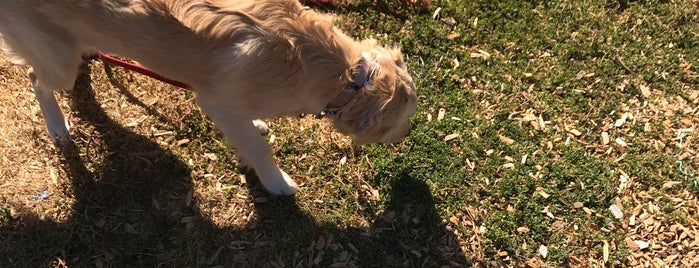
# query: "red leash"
{"points": [[142, 70]]}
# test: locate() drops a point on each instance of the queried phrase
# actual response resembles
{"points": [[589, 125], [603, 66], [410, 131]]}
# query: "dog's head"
{"points": [[383, 100]]}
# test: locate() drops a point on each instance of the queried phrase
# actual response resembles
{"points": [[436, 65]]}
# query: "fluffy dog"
{"points": [[245, 60]]}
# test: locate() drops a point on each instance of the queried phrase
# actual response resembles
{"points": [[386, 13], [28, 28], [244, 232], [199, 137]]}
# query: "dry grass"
{"points": [[534, 119]]}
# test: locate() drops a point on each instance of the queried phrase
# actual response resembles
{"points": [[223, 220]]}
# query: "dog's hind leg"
{"points": [[253, 148]]}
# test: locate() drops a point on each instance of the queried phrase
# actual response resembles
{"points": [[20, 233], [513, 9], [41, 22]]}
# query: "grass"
{"points": [[529, 88]]}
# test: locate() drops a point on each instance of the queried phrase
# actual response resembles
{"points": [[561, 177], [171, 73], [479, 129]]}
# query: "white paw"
{"points": [[58, 130], [261, 126], [279, 183]]}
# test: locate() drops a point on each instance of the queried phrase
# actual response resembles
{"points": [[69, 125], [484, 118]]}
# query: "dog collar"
{"points": [[364, 76], [365, 73]]}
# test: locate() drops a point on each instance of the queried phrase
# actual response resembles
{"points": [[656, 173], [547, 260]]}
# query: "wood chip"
{"points": [[631, 244], [575, 132], [451, 137], [544, 251], [605, 251], [506, 140], [616, 211], [605, 138], [523, 230], [645, 90], [453, 36], [441, 114], [531, 263], [449, 21], [641, 244], [621, 121], [54, 178], [542, 123], [621, 142], [548, 213], [211, 156], [670, 184], [435, 15], [480, 54], [578, 205]]}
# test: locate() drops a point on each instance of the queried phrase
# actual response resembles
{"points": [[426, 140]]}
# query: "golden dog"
{"points": [[245, 60]]}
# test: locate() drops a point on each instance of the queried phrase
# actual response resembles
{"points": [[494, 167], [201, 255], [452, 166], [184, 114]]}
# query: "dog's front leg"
{"points": [[241, 132], [56, 124]]}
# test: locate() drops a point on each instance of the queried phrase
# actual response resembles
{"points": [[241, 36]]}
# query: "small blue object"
{"points": [[45, 193]]}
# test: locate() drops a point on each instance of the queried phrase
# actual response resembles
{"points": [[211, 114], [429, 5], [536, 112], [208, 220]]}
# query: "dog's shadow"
{"points": [[135, 209]]}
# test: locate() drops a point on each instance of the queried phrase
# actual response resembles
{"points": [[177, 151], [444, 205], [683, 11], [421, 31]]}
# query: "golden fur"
{"points": [[245, 59]]}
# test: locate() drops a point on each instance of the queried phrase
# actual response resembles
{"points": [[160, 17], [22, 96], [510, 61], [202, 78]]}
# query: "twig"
{"points": [[624, 65]]}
